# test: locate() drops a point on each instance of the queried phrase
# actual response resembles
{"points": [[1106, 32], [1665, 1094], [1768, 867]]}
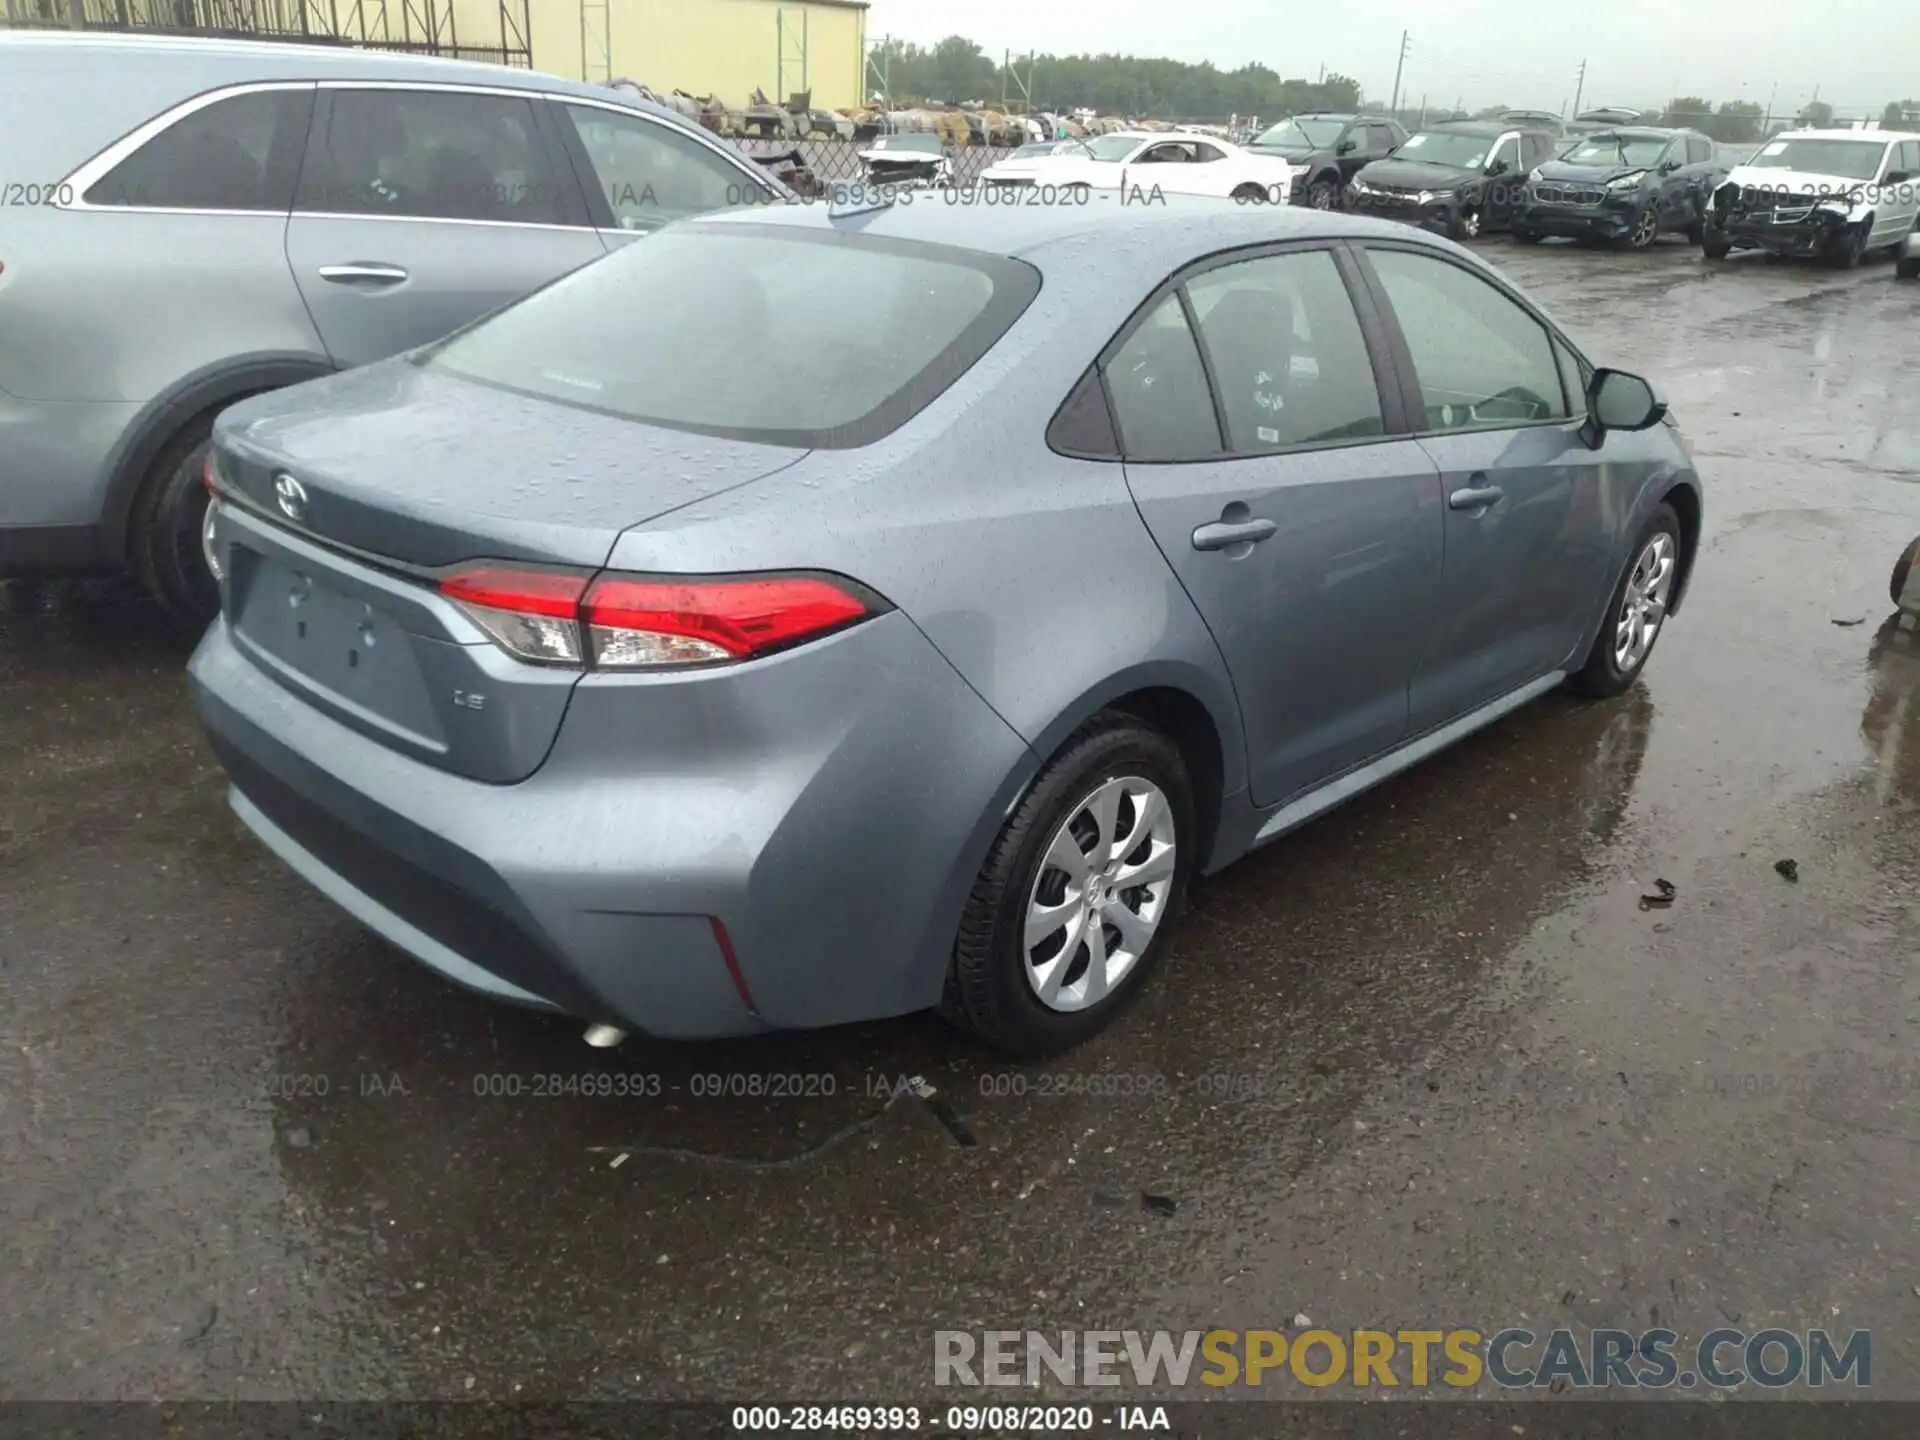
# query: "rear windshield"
{"points": [[761, 333]]}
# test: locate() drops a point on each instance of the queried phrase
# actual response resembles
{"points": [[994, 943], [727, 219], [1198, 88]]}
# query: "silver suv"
{"points": [[188, 222]]}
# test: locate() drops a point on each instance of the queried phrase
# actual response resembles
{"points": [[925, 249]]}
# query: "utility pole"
{"points": [[1423, 114], [1394, 104], [1580, 88]]}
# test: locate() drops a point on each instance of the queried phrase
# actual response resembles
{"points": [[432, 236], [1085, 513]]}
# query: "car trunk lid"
{"points": [[349, 500]]}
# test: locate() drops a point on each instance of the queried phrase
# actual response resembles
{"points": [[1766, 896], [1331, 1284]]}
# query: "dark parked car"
{"points": [[1464, 179], [1327, 151], [1627, 186]]}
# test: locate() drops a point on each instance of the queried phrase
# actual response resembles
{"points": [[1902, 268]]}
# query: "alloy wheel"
{"points": [[1100, 894], [1643, 608], [1647, 230], [1320, 197]]}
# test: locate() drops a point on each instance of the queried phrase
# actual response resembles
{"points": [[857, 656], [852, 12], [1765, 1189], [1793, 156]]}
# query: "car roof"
{"points": [[1473, 127], [1159, 235], [244, 60], [1173, 135]]}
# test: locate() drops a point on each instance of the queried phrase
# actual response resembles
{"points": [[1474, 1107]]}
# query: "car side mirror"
{"points": [[1498, 167], [1667, 167], [1619, 401], [1897, 177], [1347, 147]]}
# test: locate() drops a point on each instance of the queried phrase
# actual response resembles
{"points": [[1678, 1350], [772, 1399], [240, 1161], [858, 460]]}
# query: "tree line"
{"points": [[956, 70]]}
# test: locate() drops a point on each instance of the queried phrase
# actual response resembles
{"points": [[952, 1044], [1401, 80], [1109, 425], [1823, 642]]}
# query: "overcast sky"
{"points": [[1860, 53]]}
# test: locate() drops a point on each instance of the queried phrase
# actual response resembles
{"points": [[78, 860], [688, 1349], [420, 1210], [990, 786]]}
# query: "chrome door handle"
{"points": [[363, 270], [1224, 534], [1475, 497]]}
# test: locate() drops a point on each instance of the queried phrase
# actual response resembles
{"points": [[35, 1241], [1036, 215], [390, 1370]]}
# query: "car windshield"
{"points": [[764, 333], [1112, 148], [1854, 159], [1608, 148], [1463, 152], [919, 144], [1302, 134], [1034, 152]]}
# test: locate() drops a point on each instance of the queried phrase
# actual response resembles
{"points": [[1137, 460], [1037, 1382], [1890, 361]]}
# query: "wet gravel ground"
{"points": [[1427, 1063]]}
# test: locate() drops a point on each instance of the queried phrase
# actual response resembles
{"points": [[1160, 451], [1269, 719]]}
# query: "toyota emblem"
{"points": [[292, 496]]}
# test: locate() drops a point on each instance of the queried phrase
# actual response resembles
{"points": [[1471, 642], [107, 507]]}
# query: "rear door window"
{"points": [[753, 332], [239, 153], [1161, 402], [1287, 353], [431, 154], [1698, 150]]}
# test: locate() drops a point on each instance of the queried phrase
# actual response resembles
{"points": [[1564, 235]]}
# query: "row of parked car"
{"points": [[1836, 194]]}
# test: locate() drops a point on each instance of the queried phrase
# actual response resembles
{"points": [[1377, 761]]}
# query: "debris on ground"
{"points": [[1664, 891], [1301, 1322], [1158, 1204], [1849, 624], [1789, 869]]}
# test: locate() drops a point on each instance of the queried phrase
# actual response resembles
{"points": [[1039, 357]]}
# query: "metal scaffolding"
{"points": [[790, 36], [420, 27]]}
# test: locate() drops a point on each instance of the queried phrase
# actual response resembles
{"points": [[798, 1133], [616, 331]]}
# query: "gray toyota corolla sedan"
{"points": [[806, 617]]}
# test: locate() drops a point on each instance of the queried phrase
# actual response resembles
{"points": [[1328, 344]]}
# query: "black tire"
{"points": [[1527, 237], [164, 529], [1908, 269], [1714, 245], [1845, 250], [1323, 194], [1646, 230], [1250, 194], [1601, 675], [1467, 224], [1898, 587], [1696, 233], [988, 993]]}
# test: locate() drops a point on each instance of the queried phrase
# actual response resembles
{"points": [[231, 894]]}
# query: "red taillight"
{"points": [[530, 592], [652, 622], [531, 614], [629, 622]]}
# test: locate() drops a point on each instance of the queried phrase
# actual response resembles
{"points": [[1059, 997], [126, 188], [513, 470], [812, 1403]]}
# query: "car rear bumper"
{"points": [[55, 461], [828, 808]]}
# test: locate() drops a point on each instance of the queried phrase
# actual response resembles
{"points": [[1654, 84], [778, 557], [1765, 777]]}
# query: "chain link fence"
{"points": [[836, 161]]}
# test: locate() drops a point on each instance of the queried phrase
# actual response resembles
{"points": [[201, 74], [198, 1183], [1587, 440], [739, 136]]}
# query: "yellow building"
{"points": [[724, 48]]}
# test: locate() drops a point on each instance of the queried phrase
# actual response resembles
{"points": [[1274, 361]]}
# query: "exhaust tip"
{"points": [[604, 1037]]}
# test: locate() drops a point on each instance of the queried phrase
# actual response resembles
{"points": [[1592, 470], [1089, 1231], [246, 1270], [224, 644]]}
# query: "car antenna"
{"points": [[847, 201]]}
